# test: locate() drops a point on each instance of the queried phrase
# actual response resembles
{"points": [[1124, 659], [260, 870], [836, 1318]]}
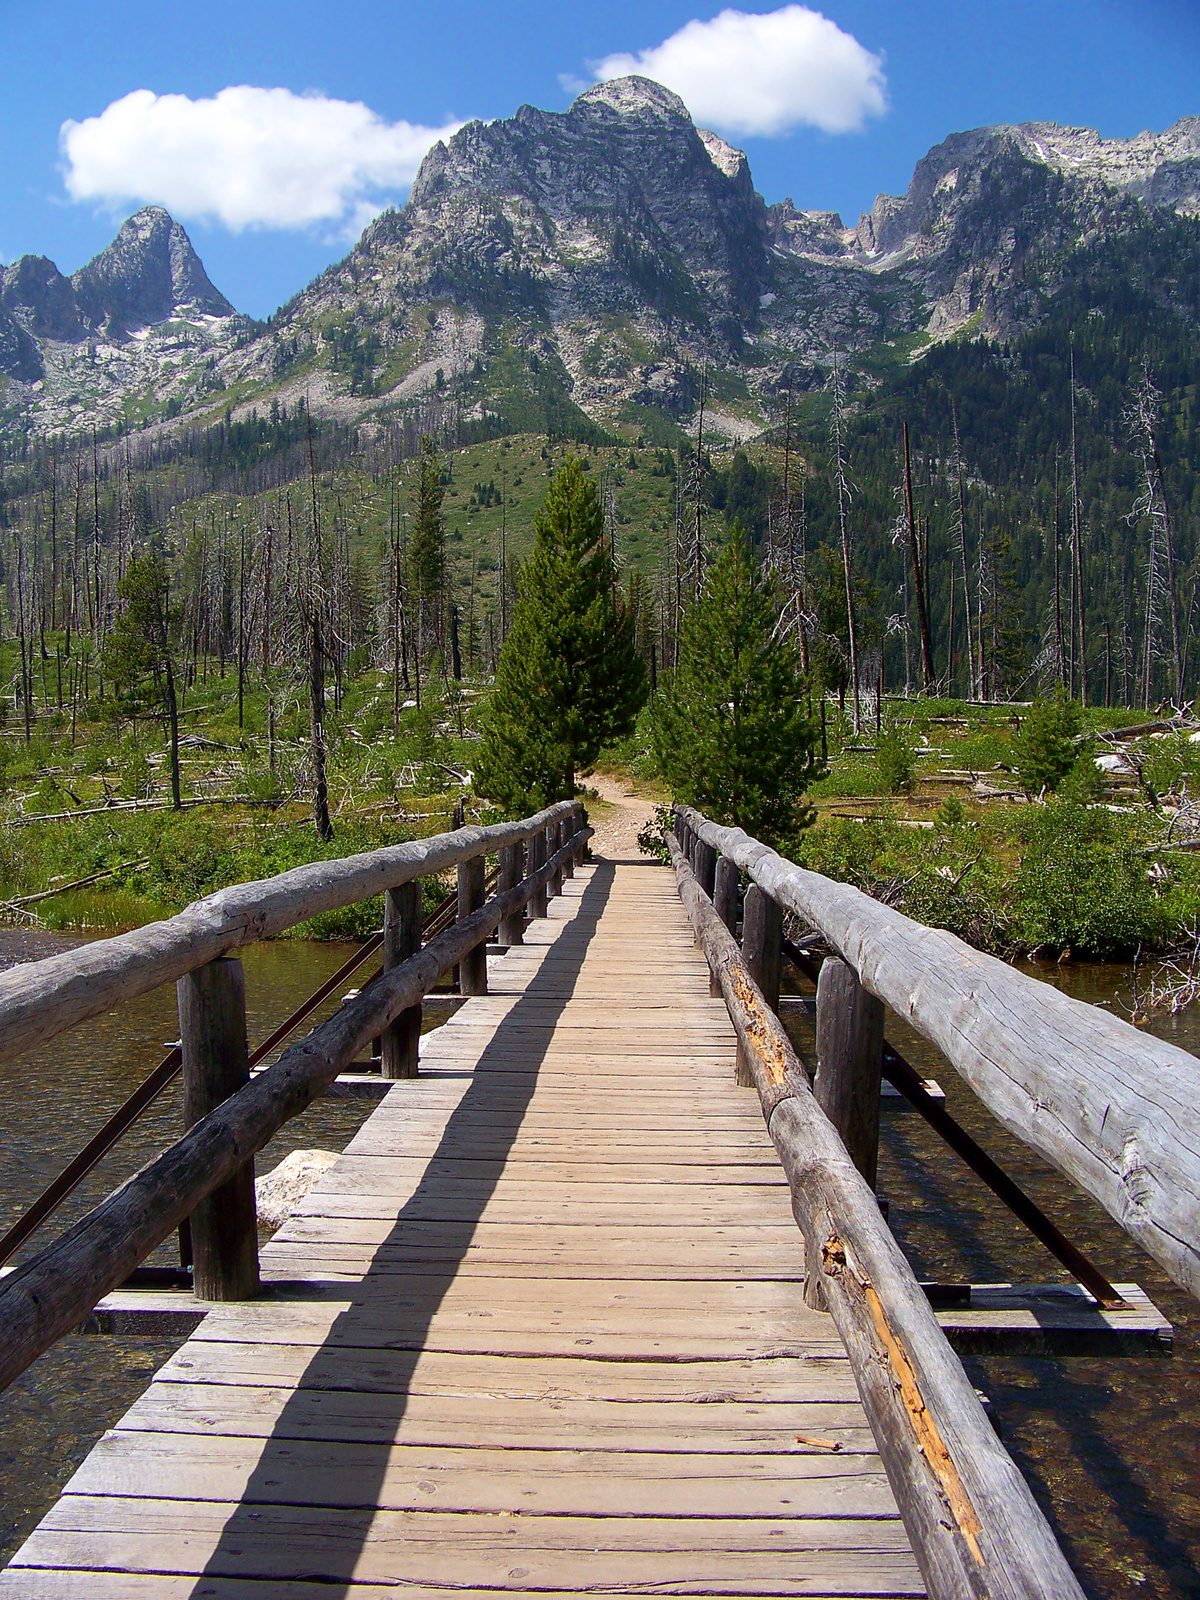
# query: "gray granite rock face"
{"points": [[604, 255]]}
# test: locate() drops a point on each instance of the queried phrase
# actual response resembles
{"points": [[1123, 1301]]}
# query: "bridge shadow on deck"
{"points": [[277, 1534]]}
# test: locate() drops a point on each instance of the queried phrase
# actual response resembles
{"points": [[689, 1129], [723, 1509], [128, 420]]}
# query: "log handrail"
{"points": [[41, 999], [1115, 1110], [975, 1528], [51, 1293]]}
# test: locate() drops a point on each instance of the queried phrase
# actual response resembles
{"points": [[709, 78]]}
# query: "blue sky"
{"points": [[903, 76]]}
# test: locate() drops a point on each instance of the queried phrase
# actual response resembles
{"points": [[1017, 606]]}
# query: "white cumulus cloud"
{"points": [[247, 157], [763, 73]]}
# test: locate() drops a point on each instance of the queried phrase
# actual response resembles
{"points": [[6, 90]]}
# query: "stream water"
{"points": [[1111, 1448]]}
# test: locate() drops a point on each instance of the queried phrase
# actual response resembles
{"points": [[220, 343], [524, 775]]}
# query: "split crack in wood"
{"points": [[835, 1258]]}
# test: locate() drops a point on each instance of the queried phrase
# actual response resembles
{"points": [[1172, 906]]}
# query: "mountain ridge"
{"points": [[593, 262]]}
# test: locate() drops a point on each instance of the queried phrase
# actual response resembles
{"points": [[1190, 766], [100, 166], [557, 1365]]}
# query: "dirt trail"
{"points": [[617, 830]]}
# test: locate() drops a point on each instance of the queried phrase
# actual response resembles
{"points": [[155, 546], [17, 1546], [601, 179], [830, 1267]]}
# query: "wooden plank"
{"points": [[729, 1427], [821, 1371], [848, 1555], [544, 1482], [30, 1583], [1058, 1319], [540, 1330]]}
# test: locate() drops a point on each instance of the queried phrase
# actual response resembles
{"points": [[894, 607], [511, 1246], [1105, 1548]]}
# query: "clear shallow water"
{"points": [[51, 1102], [1110, 1447]]}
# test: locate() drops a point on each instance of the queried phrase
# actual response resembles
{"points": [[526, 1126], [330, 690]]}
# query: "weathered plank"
{"points": [[570, 1290]]}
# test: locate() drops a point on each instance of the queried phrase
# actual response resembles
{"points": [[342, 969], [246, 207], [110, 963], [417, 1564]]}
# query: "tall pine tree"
{"points": [[427, 550], [570, 678], [730, 731]]}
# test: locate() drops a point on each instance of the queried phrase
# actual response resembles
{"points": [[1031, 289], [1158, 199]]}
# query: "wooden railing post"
{"points": [[537, 860], [850, 1061], [512, 870], [847, 1087], [554, 839], [400, 1043], [472, 969], [724, 899], [569, 829], [216, 1064], [706, 867], [762, 951]]}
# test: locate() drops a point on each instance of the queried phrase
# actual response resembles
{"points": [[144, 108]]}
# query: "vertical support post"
{"points": [[706, 867], [762, 951], [554, 838], [512, 870], [725, 899], [849, 1067], [537, 860], [569, 829], [472, 970], [400, 1043], [850, 1061], [216, 1064]]}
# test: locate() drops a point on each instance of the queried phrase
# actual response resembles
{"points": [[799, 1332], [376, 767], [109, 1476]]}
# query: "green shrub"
{"points": [[1083, 886], [950, 813], [896, 760], [1047, 746], [188, 860]]}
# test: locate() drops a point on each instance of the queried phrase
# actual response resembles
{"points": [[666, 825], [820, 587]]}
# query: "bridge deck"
{"points": [[546, 1332]]}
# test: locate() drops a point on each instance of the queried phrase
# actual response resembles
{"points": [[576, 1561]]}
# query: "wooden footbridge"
{"points": [[549, 1324]]}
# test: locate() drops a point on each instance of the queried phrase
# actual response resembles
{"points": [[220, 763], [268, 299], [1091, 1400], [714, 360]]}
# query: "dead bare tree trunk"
{"points": [[928, 670], [843, 500]]}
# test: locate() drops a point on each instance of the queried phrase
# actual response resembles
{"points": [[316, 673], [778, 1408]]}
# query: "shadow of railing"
{"points": [[279, 1531]]}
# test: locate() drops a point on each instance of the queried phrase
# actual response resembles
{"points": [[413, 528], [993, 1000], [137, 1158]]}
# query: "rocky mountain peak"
{"points": [[635, 97], [725, 157], [35, 287], [148, 274]]}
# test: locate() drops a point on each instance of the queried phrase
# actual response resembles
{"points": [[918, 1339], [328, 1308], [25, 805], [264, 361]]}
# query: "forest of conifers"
{"points": [[1052, 520]]}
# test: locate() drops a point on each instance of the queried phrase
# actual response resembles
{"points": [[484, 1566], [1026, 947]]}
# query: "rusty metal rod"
{"points": [[907, 1080]]}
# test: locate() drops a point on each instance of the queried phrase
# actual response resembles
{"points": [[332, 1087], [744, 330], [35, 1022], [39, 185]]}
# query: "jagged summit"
{"points": [[596, 260], [149, 273], [128, 301]]}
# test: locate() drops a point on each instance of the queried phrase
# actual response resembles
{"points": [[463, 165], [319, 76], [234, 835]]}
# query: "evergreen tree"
{"points": [[1049, 746], [570, 678], [427, 549], [142, 644], [730, 732]]}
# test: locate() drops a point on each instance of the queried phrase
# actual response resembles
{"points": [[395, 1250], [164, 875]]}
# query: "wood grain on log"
{"points": [[216, 1064], [762, 951], [400, 1042], [41, 999], [1112, 1108], [472, 969]]}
